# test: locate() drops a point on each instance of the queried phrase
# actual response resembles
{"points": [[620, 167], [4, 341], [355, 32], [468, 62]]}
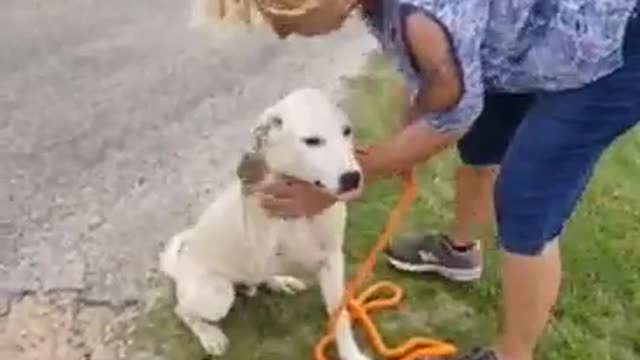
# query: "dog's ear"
{"points": [[262, 132], [251, 170]]}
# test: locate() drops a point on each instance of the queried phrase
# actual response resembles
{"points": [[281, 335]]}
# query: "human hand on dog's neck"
{"points": [[282, 196], [292, 198]]}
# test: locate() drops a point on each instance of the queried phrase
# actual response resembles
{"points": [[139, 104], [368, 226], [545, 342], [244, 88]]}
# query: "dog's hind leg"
{"points": [[331, 280], [204, 300]]}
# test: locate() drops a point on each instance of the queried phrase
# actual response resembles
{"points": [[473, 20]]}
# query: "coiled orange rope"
{"points": [[372, 299]]}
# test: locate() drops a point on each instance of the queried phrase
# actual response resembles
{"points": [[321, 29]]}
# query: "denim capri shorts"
{"points": [[548, 146], [488, 138]]}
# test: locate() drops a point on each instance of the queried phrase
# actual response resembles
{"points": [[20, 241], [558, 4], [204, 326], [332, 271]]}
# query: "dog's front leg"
{"points": [[331, 280]]}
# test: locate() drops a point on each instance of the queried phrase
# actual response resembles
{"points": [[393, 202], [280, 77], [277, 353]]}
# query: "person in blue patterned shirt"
{"points": [[539, 87]]}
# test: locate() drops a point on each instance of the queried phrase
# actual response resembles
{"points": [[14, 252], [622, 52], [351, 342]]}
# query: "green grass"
{"points": [[598, 315]]}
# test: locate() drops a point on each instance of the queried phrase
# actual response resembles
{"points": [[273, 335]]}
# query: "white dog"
{"points": [[235, 242]]}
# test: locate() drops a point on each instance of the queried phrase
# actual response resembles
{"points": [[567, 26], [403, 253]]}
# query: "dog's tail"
{"points": [[171, 254]]}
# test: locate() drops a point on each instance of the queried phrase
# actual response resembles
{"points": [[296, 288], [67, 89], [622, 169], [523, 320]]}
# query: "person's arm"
{"points": [[441, 110], [413, 145], [441, 91], [431, 49]]}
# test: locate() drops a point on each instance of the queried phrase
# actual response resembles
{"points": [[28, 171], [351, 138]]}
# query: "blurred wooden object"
{"points": [[216, 13]]}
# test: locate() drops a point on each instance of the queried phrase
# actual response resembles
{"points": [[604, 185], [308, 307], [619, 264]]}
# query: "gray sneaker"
{"points": [[433, 253]]}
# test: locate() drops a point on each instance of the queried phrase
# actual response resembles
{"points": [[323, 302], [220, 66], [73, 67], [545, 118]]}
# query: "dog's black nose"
{"points": [[349, 181]]}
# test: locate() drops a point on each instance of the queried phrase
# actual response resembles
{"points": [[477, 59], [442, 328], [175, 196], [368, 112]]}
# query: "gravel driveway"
{"points": [[117, 125]]}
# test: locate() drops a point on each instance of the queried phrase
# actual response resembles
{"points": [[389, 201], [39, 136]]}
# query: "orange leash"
{"points": [[372, 299]]}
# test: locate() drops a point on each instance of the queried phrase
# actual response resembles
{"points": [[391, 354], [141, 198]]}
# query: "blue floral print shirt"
{"points": [[510, 45]]}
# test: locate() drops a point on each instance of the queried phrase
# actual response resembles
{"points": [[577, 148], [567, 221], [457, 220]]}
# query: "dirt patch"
{"points": [[60, 327]]}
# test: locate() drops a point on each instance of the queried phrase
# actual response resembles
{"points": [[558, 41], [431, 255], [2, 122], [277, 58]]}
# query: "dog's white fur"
{"points": [[236, 241]]}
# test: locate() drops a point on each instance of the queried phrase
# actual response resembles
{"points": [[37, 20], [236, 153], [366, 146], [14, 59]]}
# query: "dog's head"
{"points": [[307, 136]]}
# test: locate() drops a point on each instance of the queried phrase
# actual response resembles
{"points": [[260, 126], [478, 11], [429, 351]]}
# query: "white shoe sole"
{"points": [[460, 275]]}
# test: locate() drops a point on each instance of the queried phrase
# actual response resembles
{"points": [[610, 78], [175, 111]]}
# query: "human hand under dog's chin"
{"points": [[290, 198]]}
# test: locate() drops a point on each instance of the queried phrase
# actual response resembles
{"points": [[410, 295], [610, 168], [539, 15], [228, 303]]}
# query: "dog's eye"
{"points": [[347, 131], [313, 141]]}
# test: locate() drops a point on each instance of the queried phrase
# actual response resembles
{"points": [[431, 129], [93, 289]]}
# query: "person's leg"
{"points": [[473, 203], [525, 313], [457, 255], [545, 172], [481, 151]]}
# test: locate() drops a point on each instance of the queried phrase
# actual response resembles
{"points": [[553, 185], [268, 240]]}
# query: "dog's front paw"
{"points": [[214, 341], [286, 284]]}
